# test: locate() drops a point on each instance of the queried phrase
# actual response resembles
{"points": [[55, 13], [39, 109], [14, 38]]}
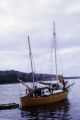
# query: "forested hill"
{"points": [[12, 76]]}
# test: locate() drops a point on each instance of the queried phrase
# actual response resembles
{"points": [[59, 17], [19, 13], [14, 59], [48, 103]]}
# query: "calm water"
{"points": [[69, 109]]}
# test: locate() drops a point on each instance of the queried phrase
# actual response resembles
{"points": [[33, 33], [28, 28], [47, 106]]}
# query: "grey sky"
{"points": [[20, 18]]}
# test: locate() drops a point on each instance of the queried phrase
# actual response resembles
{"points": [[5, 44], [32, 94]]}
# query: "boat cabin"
{"points": [[44, 91]]}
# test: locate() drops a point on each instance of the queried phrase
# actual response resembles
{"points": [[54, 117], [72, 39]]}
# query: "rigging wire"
{"points": [[31, 60], [55, 51], [42, 63], [60, 59]]}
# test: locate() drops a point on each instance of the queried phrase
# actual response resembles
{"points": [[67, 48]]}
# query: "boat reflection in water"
{"points": [[57, 111]]}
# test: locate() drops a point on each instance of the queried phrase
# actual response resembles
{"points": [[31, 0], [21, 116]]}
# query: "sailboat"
{"points": [[50, 93]]}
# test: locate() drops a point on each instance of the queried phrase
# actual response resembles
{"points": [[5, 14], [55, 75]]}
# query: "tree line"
{"points": [[12, 76]]}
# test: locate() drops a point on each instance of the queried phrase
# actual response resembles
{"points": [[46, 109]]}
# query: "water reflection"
{"points": [[57, 111]]}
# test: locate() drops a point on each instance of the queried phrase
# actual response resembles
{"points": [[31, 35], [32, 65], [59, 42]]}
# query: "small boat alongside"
{"points": [[9, 106]]}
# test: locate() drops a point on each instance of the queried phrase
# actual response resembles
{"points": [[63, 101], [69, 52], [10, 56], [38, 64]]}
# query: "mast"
{"points": [[30, 55], [54, 39]]}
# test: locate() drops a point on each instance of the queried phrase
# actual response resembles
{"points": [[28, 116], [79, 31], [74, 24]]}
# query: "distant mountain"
{"points": [[75, 77], [11, 76]]}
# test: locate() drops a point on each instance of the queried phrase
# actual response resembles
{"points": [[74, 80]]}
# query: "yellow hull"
{"points": [[27, 102]]}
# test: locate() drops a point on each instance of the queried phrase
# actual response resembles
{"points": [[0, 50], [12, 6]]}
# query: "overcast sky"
{"points": [[20, 18]]}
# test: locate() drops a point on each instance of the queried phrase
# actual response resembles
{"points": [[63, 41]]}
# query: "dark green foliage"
{"points": [[12, 76]]}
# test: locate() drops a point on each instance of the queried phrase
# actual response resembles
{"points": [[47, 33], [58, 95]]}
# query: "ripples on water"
{"points": [[68, 109], [58, 112]]}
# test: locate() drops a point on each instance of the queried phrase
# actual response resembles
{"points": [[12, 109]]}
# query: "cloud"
{"points": [[73, 7], [18, 19]]}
